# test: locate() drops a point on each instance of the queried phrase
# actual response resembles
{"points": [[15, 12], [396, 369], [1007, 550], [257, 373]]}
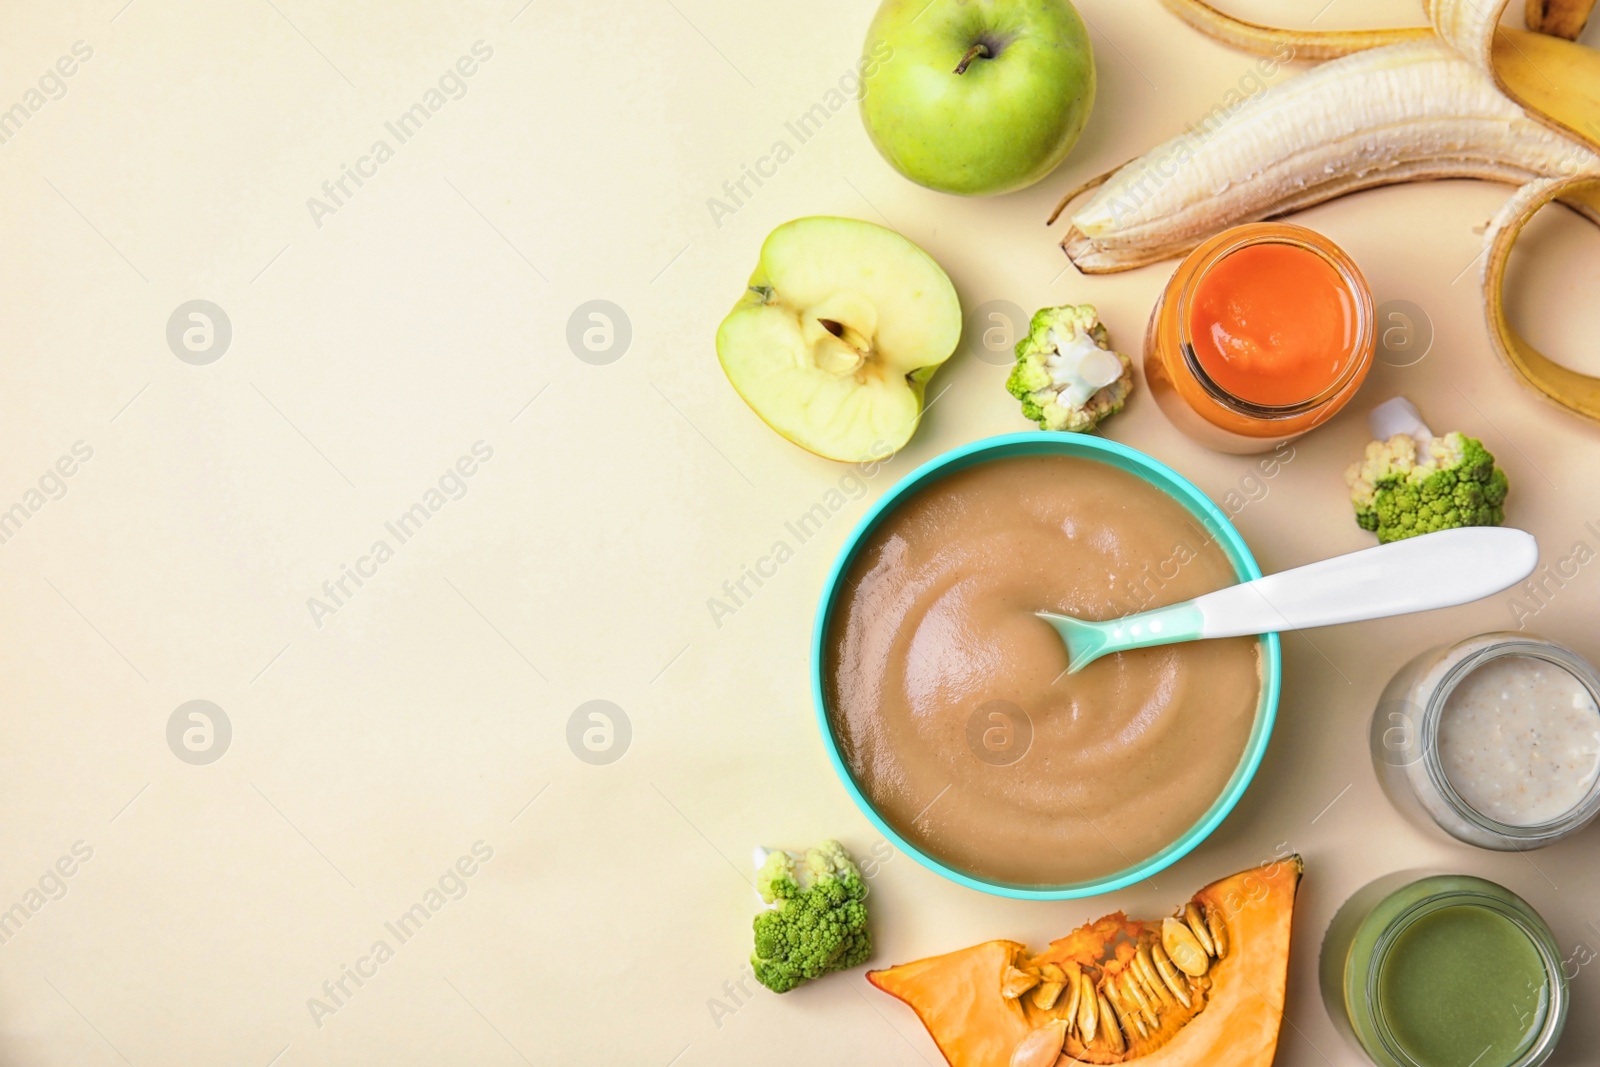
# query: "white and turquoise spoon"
{"points": [[1437, 570]]}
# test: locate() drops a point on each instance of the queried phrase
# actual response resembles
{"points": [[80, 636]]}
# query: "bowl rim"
{"points": [[1154, 472]]}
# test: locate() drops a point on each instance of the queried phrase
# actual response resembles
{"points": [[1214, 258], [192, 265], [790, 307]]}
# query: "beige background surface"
{"points": [[430, 712]]}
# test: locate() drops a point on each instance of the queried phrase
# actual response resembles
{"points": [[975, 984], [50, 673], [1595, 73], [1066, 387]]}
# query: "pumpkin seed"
{"points": [[1169, 975], [1219, 931], [1113, 1035], [1050, 987], [1136, 998], [1114, 996], [1183, 948], [1074, 992], [1041, 1046], [1147, 994], [1133, 1018], [1088, 1014], [1197, 924], [1145, 967], [1017, 982], [1045, 994]]}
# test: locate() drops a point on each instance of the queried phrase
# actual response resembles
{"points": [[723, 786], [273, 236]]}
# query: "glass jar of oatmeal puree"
{"points": [[1443, 971], [1495, 740], [1263, 333]]}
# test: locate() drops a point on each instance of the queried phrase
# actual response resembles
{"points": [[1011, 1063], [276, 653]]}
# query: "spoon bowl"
{"points": [[1436, 570], [1207, 516]]}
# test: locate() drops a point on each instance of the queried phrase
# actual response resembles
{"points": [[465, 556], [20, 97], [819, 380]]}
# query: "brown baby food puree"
{"points": [[948, 697]]}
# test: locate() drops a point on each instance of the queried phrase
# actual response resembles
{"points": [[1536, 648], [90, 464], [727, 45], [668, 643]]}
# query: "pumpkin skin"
{"points": [[958, 995]]}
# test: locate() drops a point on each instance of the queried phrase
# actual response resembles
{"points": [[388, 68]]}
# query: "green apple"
{"points": [[836, 335], [976, 96]]}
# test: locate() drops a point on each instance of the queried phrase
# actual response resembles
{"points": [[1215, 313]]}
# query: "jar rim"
{"points": [[1555, 1003], [1261, 233], [1531, 835]]}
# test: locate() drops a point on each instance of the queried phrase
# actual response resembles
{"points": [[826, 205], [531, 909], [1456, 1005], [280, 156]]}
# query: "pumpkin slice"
{"points": [[1203, 986]]}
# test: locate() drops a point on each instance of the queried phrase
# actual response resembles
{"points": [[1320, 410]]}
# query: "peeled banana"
{"points": [[1464, 97], [1396, 113]]}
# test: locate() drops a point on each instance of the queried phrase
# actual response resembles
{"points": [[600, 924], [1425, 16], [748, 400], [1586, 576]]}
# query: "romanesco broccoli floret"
{"points": [[818, 920], [1067, 376], [1415, 483]]}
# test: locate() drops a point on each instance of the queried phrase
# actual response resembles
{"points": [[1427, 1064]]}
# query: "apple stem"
{"points": [[977, 51]]}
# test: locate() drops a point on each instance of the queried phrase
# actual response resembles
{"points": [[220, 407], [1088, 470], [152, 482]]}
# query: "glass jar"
{"points": [[1196, 402], [1416, 773], [1417, 971]]}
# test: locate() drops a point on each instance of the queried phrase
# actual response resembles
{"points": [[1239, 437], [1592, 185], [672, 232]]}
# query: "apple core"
{"points": [[836, 335]]}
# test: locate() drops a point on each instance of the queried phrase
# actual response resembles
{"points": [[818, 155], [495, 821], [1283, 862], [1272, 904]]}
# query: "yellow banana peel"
{"points": [[1270, 40], [1574, 391]]}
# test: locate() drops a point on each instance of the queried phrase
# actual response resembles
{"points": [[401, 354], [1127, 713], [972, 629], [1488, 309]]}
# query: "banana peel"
{"points": [[1553, 81], [1270, 40], [1576, 392]]}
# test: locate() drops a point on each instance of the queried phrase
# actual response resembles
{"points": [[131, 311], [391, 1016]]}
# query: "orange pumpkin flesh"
{"points": [[1234, 1011]]}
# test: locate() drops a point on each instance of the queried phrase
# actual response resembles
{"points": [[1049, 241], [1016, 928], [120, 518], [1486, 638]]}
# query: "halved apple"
{"points": [[837, 334]]}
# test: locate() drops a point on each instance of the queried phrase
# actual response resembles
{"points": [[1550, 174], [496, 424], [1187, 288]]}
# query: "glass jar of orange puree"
{"points": [[1264, 332]]}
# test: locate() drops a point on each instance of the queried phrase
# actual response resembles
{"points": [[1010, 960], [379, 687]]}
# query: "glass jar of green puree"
{"points": [[1444, 971]]}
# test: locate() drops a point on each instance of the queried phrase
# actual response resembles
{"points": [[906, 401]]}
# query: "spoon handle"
{"points": [[1437, 570]]}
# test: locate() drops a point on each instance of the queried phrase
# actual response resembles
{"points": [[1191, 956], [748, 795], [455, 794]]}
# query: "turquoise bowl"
{"points": [[1161, 476]]}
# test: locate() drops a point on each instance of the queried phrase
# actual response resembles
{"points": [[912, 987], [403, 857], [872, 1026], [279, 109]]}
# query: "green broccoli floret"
{"points": [[1066, 374], [818, 922], [1415, 483]]}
